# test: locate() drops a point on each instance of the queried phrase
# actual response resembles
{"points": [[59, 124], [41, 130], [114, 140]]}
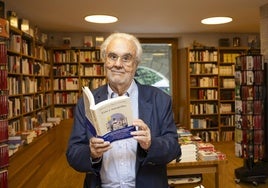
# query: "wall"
{"points": [[212, 39], [184, 40]]}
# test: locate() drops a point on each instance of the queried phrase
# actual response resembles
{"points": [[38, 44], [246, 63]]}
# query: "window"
{"points": [[160, 61], [155, 67]]}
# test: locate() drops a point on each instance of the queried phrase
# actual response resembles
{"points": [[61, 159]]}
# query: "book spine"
{"points": [[91, 128]]}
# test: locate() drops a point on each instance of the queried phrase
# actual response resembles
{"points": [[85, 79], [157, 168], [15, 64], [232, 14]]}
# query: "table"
{"points": [[199, 167]]}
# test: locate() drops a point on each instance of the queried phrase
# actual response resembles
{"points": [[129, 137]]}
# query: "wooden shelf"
{"points": [[209, 90]]}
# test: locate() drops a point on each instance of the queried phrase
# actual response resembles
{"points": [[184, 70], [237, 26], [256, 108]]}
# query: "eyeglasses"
{"points": [[125, 59]]}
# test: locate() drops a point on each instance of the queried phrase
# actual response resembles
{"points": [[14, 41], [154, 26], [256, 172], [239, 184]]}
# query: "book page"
{"points": [[113, 114], [110, 119]]}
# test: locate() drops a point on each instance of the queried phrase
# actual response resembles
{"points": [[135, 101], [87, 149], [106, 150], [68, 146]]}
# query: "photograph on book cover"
{"points": [[116, 121]]}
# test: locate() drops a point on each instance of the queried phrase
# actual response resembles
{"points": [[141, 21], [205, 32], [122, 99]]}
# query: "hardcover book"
{"points": [[110, 119]]}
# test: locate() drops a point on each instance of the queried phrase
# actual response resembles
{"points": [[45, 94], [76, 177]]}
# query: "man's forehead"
{"points": [[121, 45]]}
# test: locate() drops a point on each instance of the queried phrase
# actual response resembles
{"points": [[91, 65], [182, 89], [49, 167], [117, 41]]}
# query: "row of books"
{"points": [[227, 70], [250, 62], [3, 130], [3, 77], [18, 139], [22, 86], [249, 107], [203, 68], [228, 83], [15, 43], [19, 65], [227, 136], [66, 98], [227, 94], [4, 105], [18, 106], [92, 70], [71, 56], [229, 57], [65, 70], [242, 136], [209, 136], [204, 94], [89, 56], [251, 92], [227, 120], [203, 108], [84, 70], [18, 44], [4, 158], [249, 77], [3, 178], [3, 54], [66, 83], [244, 150], [244, 121], [226, 108], [203, 55], [93, 82], [64, 112], [16, 126], [207, 81], [41, 53]]}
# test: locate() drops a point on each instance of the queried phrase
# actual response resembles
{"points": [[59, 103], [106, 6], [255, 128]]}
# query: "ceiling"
{"points": [[140, 16]]}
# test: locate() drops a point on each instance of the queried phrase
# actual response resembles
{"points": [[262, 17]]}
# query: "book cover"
{"points": [[88, 41], [110, 119]]}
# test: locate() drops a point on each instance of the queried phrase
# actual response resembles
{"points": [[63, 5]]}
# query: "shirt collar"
{"points": [[130, 90]]}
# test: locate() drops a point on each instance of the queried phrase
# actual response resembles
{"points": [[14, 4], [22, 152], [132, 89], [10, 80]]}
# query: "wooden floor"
{"points": [[63, 176]]}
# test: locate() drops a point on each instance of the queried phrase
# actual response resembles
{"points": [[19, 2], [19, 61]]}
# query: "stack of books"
{"points": [[207, 155], [189, 152], [207, 152]]}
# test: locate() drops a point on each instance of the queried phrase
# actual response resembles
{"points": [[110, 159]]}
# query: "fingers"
{"points": [[142, 135], [98, 146]]}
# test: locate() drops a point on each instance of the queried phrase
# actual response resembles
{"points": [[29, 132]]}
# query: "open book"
{"points": [[110, 119]]}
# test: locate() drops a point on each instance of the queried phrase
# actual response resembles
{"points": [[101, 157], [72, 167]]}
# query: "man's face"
{"points": [[120, 62]]}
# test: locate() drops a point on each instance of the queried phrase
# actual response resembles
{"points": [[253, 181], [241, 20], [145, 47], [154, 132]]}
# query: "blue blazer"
{"points": [[155, 109]]}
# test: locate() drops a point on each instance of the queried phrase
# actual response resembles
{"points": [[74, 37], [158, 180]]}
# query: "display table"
{"points": [[32, 162], [200, 167]]}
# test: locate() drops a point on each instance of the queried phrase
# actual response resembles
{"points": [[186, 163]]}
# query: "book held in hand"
{"points": [[110, 119]]}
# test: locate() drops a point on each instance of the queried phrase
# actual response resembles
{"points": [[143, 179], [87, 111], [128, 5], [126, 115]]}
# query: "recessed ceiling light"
{"points": [[101, 19], [216, 20]]}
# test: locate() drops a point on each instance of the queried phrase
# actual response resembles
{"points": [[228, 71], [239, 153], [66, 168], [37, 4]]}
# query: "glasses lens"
{"points": [[127, 58], [112, 56]]}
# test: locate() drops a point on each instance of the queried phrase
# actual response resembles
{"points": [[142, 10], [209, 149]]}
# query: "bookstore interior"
{"points": [[224, 100]]}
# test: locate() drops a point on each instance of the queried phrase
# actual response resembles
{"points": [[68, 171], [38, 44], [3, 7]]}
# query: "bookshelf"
{"points": [[74, 68], [4, 157], [227, 60], [210, 91], [30, 87], [249, 108], [250, 127], [203, 92]]}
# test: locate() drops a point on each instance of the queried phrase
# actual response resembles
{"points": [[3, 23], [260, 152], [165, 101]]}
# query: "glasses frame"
{"points": [[125, 59]]}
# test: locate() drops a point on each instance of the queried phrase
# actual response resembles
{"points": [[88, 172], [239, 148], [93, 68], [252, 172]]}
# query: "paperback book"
{"points": [[110, 119]]}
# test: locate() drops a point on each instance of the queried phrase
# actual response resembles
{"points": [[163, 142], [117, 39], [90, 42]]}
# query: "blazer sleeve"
{"points": [[78, 151], [164, 142]]}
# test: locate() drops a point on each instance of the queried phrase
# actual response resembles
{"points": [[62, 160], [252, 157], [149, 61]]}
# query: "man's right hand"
{"points": [[98, 146]]}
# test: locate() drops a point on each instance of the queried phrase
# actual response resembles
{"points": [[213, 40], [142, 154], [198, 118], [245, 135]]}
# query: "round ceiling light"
{"points": [[216, 20], [101, 19]]}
